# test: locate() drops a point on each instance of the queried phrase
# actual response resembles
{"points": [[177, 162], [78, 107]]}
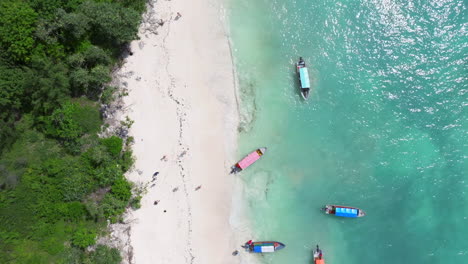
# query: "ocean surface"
{"points": [[384, 129]]}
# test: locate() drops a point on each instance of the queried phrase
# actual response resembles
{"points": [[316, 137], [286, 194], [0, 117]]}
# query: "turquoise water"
{"points": [[385, 127]]}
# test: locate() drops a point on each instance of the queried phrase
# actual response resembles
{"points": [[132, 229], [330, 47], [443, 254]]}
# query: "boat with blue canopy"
{"points": [[344, 211], [304, 80], [264, 246]]}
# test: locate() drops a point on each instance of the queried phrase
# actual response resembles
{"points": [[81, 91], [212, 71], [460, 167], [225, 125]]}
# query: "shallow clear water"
{"points": [[385, 127]]}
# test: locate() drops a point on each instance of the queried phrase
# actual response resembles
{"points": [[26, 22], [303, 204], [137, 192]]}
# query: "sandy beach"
{"points": [[182, 99]]}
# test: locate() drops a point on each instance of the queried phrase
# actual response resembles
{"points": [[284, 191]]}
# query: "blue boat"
{"points": [[264, 246], [344, 211], [304, 81]]}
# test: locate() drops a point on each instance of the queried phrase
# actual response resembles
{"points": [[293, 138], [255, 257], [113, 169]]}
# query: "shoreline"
{"points": [[182, 99]]}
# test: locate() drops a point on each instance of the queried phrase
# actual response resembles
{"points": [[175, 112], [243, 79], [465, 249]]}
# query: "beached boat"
{"points": [[303, 75], [343, 211], [248, 160], [264, 246], [318, 256]]}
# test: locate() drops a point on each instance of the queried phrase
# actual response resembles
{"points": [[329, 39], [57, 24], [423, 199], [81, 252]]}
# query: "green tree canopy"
{"points": [[46, 86], [17, 24], [11, 89], [59, 181], [111, 22], [11, 100], [46, 8]]}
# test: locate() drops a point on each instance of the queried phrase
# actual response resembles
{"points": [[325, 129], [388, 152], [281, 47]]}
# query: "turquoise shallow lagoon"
{"points": [[385, 127]]}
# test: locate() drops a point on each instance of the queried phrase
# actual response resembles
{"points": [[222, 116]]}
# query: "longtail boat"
{"points": [[303, 75], [248, 160], [318, 256], [264, 246], [344, 211]]}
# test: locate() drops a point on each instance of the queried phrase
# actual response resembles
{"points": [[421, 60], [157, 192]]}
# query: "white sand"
{"points": [[182, 99]]}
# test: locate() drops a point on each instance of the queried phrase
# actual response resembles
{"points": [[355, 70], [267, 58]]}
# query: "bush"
{"points": [[122, 189], [114, 145], [135, 203], [83, 238], [127, 160], [75, 186], [106, 174], [74, 256], [107, 95], [8, 179], [104, 255], [87, 116], [96, 156], [52, 237], [70, 176], [94, 210], [62, 125], [71, 121], [112, 207], [73, 211]]}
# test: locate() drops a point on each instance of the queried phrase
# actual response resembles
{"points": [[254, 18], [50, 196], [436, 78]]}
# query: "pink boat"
{"points": [[249, 160]]}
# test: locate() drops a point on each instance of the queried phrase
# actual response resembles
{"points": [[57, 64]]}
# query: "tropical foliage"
{"points": [[59, 181]]}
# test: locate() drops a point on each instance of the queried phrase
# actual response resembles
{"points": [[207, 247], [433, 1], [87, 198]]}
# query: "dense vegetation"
{"points": [[59, 181]]}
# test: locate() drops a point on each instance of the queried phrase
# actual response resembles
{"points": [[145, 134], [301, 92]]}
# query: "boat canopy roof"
{"points": [[346, 212], [304, 75], [249, 160], [263, 248]]}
